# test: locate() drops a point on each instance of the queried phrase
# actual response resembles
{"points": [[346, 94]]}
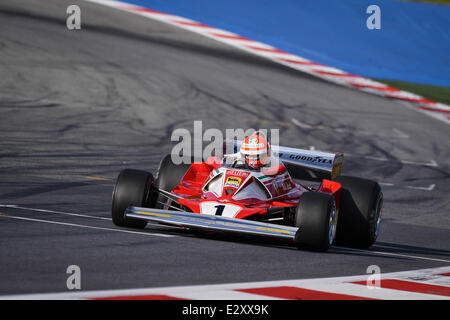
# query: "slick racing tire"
{"points": [[315, 217], [133, 188], [169, 176], [359, 213]]}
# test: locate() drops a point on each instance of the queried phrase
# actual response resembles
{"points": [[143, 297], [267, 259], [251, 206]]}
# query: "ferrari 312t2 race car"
{"points": [[225, 197]]}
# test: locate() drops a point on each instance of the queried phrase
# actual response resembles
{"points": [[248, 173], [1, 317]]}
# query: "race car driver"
{"points": [[255, 155]]}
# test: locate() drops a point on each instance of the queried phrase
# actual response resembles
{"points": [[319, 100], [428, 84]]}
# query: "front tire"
{"points": [[316, 219], [360, 212], [133, 188], [169, 176]]}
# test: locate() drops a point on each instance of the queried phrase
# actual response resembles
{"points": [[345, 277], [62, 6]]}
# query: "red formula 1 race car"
{"points": [[228, 195]]}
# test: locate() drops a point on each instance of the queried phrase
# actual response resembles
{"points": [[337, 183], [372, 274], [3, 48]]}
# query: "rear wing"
{"points": [[305, 164]]}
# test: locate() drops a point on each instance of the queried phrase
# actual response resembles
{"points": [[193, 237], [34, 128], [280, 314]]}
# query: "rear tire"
{"points": [[316, 218], [360, 212], [169, 176], [133, 188]]}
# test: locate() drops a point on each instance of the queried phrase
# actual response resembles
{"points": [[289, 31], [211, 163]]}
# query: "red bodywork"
{"points": [[284, 192]]}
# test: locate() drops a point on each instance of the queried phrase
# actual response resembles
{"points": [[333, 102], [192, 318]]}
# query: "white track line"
{"points": [[86, 226], [431, 163], [13, 206], [429, 188], [398, 134]]}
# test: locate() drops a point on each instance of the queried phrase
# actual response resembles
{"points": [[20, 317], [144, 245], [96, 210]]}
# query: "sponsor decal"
{"points": [[337, 166], [233, 182], [317, 159], [336, 172], [238, 173]]}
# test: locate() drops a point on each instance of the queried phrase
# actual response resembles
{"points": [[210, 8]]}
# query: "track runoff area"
{"points": [[433, 109], [428, 283]]}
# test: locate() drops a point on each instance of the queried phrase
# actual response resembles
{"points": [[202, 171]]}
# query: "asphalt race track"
{"points": [[76, 107]]}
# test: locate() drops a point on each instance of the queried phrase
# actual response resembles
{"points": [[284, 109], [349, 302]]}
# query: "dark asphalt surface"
{"points": [[88, 103]]}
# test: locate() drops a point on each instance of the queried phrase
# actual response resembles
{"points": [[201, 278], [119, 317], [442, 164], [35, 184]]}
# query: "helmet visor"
{"points": [[252, 157]]}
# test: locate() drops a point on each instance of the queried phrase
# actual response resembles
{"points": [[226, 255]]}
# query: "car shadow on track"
{"points": [[379, 249], [385, 250], [407, 249], [395, 251]]}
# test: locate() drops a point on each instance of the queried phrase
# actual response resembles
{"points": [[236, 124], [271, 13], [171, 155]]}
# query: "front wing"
{"points": [[207, 222]]}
